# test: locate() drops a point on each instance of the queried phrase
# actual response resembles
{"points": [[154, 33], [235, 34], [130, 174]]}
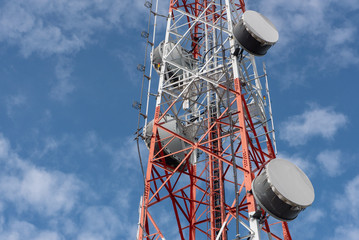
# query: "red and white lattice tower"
{"points": [[212, 131]]}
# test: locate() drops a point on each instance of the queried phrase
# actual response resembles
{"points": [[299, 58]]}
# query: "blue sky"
{"points": [[69, 166]]}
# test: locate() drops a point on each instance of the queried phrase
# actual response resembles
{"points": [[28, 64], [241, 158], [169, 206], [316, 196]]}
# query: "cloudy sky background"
{"points": [[69, 167]]}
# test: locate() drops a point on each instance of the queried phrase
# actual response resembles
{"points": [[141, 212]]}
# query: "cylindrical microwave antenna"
{"points": [[255, 33], [283, 190]]}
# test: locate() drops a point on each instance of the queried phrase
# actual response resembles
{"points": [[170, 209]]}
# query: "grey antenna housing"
{"points": [[177, 55], [283, 190], [255, 33], [170, 144]]}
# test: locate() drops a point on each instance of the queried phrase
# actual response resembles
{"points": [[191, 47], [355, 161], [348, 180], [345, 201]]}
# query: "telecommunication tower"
{"points": [[212, 171]]}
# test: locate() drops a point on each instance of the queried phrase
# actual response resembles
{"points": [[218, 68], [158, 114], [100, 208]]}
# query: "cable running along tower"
{"points": [[212, 171]]}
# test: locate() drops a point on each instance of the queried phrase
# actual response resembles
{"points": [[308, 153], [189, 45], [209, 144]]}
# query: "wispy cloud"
{"points": [[309, 222], [311, 24], [314, 122], [349, 232], [17, 229], [346, 206], [291, 75], [302, 162], [314, 36], [348, 201], [129, 62], [63, 86], [341, 36], [100, 223], [331, 162], [63, 27], [120, 153], [68, 205], [4, 147], [13, 102], [340, 46], [125, 154], [32, 188]]}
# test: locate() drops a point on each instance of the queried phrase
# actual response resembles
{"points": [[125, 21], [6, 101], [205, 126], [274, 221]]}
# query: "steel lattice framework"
{"points": [[217, 103]]}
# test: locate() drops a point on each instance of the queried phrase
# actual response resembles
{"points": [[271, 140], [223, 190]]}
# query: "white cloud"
{"points": [[29, 187], [295, 19], [63, 26], [322, 122], [49, 40], [24, 24], [348, 201], [340, 46], [346, 207], [330, 161], [46, 192], [64, 206], [317, 36], [300, 23], [98, 222], [19, 230]]}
